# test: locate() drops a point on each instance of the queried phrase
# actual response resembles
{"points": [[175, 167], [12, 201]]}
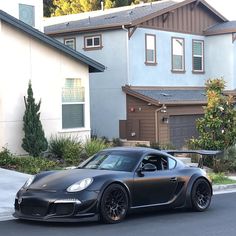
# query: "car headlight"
{"points": [[28, 182], [80, 185]]}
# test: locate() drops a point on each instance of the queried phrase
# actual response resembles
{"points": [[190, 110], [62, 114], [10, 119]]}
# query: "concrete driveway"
{"points": [[10, 183]]}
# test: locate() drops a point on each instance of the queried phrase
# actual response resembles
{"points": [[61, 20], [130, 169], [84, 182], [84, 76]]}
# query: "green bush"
{"points": [[66, 148], [220, 178], [30, 165], [94, 145], [116, 142]]}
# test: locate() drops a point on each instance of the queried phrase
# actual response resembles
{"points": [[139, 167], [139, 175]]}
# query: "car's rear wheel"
{"points": [[114, 204], [201, 195]]}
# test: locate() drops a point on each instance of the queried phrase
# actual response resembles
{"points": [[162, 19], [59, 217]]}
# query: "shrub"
{"points": [[66, 148], [94, 145], [30, 165], [220, 178], [116, 142]]}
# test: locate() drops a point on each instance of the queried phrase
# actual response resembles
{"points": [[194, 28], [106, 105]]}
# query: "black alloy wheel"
{"points": [[114, 204], [201, 195]]}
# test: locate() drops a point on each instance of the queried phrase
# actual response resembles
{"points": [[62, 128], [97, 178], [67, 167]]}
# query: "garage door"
{"points": [[182, 128]]}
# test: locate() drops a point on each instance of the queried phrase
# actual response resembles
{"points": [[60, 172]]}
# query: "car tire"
{"points": [[201, 195], [114, 204]]}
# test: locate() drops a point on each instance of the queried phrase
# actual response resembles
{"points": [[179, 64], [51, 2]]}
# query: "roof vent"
{"points": [[166, 94]]}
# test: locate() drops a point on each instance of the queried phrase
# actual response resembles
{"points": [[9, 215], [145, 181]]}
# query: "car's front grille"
{"points": [[34, 210], [64, 208]]}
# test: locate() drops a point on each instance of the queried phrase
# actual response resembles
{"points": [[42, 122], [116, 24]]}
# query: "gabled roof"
{"points": [[124, 16], [94, 66], [168, 96], [222, 28]]}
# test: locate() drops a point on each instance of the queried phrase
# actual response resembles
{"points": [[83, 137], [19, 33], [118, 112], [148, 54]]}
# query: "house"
{"points": [[59, 76], [158, 57]]}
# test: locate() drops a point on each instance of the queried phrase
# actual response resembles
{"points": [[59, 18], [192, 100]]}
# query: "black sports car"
{"points": [[112, 183]]}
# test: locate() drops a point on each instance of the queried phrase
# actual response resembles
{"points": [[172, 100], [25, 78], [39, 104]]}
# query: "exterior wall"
{"points": [[150, 118], [24, 59], [191, 18], [220, 58], [161, 74], [12, 8], [108, 102]]}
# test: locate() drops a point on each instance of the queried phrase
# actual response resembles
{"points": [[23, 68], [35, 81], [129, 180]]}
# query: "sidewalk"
{"points": [[12, 181]]}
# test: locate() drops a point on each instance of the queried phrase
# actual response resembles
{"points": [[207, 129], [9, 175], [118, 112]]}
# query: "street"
{"points": [[218, 220]]}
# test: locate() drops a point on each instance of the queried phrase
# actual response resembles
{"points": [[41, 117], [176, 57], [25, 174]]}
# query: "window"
{"points": [[150, 49], [70, 42], [178, 55], [93, 42], [73, 103], [27, 14], [198, 56], [172, 163]]}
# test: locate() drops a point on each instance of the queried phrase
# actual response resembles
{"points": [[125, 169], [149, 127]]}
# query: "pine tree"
{"points": [[34, 141]]}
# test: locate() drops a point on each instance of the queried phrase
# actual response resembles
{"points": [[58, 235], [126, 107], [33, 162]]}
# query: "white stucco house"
{"points": [[59, 76]]}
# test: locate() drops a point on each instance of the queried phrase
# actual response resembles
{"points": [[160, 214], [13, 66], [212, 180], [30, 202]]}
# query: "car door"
{"points": [[154, 187]]}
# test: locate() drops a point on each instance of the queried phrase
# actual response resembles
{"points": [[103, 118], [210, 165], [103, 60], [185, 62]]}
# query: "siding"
{"points": [[141, 120], [186, 19]]}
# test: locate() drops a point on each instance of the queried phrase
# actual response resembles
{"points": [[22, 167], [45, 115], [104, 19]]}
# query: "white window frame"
{"points": [[200, 56], [71, 103], [93, 37], [182, 70], [153, 48], [73, 40]]}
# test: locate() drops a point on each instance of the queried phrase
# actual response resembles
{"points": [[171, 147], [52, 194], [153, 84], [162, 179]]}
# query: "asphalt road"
{"points": [[220, 219]]}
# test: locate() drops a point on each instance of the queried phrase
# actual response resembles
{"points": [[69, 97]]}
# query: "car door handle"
{"points": [[173, 179]]}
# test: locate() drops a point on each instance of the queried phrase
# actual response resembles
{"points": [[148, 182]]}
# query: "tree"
{"points": [[217, 129], [48, 8], [34, 141]]}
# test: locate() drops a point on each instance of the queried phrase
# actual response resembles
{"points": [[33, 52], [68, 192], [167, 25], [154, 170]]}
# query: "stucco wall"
{"points": [[12, 8], [24, 59], [108, 102], [220, 53], [161, 75]]}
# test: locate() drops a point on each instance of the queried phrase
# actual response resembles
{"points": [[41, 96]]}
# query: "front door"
{"points": [[154, 187]]}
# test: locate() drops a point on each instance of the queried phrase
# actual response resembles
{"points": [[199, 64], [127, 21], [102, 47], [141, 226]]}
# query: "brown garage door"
{"points": [[182, 128]]}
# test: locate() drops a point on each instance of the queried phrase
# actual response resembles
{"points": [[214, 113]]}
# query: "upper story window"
{"points": [[178, 61], [70, 42], [27, 14], [150, 49], [198, 56], [93, 42], [73, 104]]}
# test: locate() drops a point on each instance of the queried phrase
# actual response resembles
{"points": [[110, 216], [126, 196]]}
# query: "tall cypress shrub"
{"points": [[34, 141]]}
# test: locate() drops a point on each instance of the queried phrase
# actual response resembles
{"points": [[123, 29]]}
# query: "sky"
{"points": [[227, 8]]}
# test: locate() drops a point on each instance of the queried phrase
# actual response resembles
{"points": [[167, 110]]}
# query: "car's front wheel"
{"points": [[201, 195], [114, 204]]}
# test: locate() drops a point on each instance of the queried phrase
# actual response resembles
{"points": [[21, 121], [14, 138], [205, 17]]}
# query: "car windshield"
{"points": [[111, 161]]}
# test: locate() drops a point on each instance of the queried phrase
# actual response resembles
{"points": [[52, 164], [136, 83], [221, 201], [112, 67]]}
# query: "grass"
{"points": [[220, 178]]}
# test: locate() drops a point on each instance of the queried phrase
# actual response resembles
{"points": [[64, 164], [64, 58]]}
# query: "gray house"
{"points": [[158, 57]]}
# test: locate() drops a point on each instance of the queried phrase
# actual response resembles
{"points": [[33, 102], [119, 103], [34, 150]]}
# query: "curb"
{"points": [[222, 187]]}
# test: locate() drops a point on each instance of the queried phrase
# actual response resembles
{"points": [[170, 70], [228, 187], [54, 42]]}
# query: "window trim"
{"points": [[203, 58], [150, 63], [71, 103], [71, 38], [172, 56], [87, 48]]}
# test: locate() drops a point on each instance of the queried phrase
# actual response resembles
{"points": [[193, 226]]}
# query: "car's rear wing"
{"points": [[202, 153]]}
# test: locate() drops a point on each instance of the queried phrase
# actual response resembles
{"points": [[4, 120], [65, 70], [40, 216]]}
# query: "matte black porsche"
{"points": [[112, 183]]}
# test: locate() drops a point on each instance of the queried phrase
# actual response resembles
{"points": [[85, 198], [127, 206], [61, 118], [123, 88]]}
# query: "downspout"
{"points": [[163, 107], [127, 54]]}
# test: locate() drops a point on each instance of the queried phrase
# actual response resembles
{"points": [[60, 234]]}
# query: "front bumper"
{"points": [[56, 206]]}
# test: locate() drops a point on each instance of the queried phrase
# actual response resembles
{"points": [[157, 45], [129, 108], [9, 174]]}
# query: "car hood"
{"points": [[61, 180]]}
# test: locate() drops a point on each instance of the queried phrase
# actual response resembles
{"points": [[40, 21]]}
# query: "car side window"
{"points": [[159, 161], [172, 163]]}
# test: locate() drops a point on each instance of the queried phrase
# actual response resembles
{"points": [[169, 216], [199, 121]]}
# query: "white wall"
{"points": [[108, 102], [12, 8], [220, 58], [24, 59]]}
